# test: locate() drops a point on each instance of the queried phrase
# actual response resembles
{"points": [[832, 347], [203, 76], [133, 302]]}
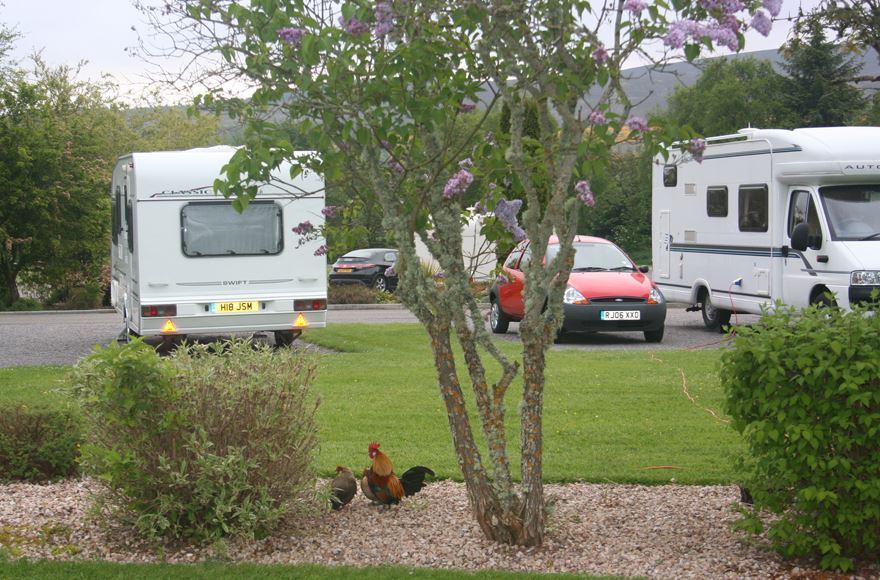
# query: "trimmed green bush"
{"points": [[351, 294], [803, 388], [216, 440], [38, 444]]}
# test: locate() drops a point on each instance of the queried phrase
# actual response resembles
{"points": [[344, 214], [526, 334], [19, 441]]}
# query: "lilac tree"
{"points": [[380, 89]]}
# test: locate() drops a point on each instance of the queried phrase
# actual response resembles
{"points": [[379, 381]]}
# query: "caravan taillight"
{"points": [[314, 304], [159, 310]]}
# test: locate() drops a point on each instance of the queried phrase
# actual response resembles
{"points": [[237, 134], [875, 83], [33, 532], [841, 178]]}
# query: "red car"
{"points": [[606, 291]]}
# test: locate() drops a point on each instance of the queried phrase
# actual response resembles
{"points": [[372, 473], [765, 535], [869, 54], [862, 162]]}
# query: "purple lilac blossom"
{"points": [[353, 25], [466, 163], [329, 211], [457, 183], [637, 124], [724, 36], [501, 279], [773, 7], [395, 166], [493, 186], [726, 6], [384, 19], [585, 194], [466, 107], [490, 137], [304, 228], [506, 212], [600, 55], [696, 148], [635, 7], [322, 250], [596, 118], [762, 23], [390, 272], [291, 35]]}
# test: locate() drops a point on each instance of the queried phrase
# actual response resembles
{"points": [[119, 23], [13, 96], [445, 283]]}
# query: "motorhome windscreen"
{"points": [[853, 211], [216, 229]]}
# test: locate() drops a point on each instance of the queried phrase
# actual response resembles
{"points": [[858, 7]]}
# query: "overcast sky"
{"points": [[98, 31]]}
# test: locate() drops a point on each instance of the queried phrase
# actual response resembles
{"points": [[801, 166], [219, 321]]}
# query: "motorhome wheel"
{"points": [[713, 317]]}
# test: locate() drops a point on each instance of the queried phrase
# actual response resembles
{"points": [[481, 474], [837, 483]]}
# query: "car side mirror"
{"points": [[644, 269], [799, 237]]}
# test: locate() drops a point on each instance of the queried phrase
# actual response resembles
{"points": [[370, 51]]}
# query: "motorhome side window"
{"points": [[216, 229], [670, 175], [716, 201], [803, 210], [753, 208]]}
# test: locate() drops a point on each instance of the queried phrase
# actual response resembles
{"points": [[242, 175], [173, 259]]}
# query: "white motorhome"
{"points": [[769, 215], [185, 262]]}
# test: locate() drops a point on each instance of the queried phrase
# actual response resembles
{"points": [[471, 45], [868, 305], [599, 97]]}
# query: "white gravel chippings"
{"points": [[667, 531]]}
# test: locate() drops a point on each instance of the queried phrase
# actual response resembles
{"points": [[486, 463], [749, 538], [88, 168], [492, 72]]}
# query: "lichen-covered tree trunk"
{"points": [[498, 522]]}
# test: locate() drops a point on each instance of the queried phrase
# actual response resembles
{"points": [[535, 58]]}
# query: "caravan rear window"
{"points": [[216, 229]]}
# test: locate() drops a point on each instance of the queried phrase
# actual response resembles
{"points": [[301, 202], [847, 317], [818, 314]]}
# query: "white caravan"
{"points": [[769, 215], [185, 262], [478, 253]]}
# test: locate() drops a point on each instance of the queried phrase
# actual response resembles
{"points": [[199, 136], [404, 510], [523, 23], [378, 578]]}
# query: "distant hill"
{"points": [[650, 89]]}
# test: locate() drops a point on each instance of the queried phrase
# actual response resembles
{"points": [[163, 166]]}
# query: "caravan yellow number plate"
{"points": [[235, 307]]}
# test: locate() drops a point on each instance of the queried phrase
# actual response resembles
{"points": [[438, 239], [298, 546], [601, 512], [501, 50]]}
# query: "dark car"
{"points": [[366, 267], [606, 291]]}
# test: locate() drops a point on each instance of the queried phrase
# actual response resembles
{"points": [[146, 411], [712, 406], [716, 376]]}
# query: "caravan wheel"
{"points": [[713, 317]]}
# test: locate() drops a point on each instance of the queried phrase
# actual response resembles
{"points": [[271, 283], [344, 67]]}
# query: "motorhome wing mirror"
{"points": [[800, 237]]}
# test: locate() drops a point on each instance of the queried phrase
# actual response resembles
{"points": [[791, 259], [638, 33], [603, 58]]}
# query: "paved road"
{"points": [[62, 338]]}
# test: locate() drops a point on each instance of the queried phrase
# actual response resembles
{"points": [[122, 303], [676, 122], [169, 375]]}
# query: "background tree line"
{"points": [[60, 136]]}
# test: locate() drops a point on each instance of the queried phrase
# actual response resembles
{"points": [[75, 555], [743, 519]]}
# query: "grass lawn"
{"points": [[609, 416], [636, 417], [88, 570]]}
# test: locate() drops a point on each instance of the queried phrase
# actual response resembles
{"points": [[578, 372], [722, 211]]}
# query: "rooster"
{"points": [[343, 487], [381, 484]]}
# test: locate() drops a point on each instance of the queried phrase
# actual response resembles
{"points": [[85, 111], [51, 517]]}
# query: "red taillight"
{"points": [[363, 266], [311, 304], [159, 310]]}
